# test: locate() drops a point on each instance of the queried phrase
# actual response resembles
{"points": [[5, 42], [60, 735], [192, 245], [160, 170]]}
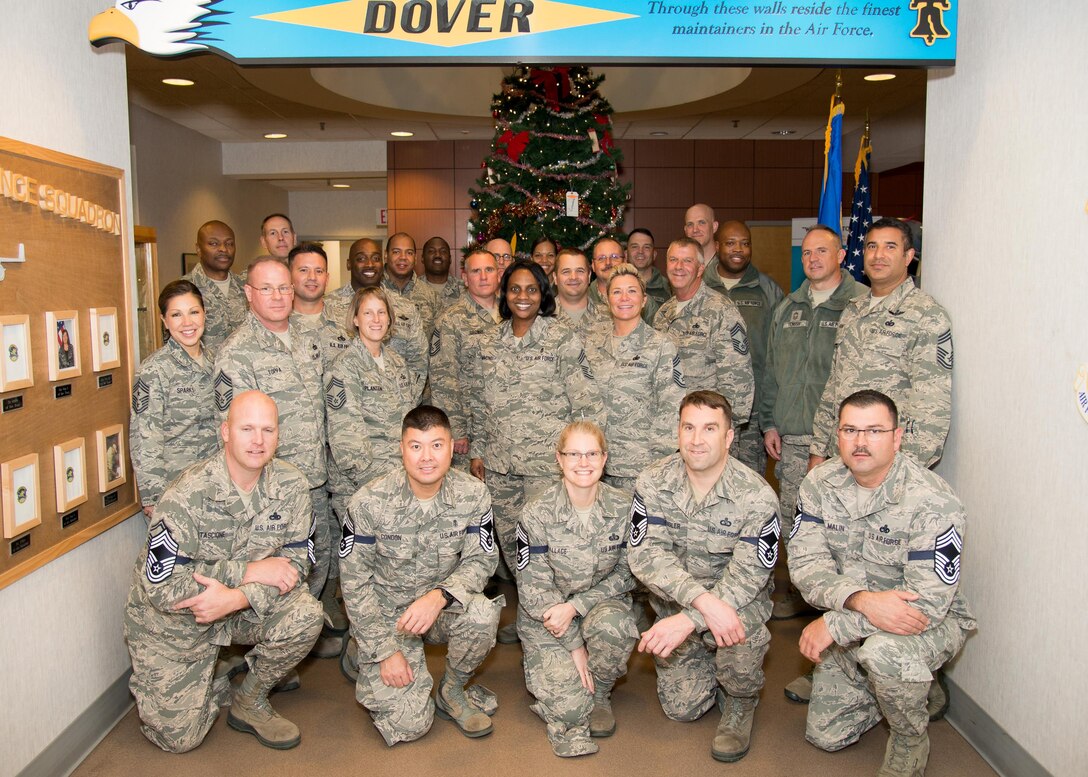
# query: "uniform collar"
{"points": [[891, 491], [268, 482]]}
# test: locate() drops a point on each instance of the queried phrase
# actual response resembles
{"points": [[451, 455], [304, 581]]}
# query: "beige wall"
{"points": [[1005, 234], [60, 639], [180, 185]]}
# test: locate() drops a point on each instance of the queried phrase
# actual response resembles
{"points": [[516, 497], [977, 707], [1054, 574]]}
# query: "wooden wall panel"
{"points": [[787, 153], [424, 224], [725, 189], [431, 188], [423, 155], [470, 154], [659, 187], [796, 188], [729, 153], [665, 153]]}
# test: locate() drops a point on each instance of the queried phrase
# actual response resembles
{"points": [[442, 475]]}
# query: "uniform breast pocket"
{"points": [[890, 338], [449, 554], [607, 557], [718, 545], [885, 558], [396, 548]]}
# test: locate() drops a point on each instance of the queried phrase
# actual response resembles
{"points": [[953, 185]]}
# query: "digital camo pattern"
{"points": [[462, 322], [365, 407], [790, 470], [595, 317], [173, 421], [398, 554], [903, 348], [419, 293], [714, 351], [688, 549], [254, 358], [409, 338], [223, 313], [642, 381], [800, 344], [201, 525], [581, 561], [522, 392], [332, 337]]}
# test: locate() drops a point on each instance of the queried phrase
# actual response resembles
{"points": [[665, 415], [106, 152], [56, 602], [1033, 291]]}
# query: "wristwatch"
{"points": [[450, 598]]}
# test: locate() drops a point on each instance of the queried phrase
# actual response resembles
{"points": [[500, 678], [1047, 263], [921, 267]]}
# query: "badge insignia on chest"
{"points": [[946, 556], [639, 521], [767, 548], [162, 554]]}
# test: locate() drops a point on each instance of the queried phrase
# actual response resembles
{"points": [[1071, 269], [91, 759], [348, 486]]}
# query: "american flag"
{"points": [[861, 214]]}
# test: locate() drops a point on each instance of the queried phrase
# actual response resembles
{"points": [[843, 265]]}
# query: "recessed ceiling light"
{"points": [[178, 82], [659, 134], [784, 132], [464, 132], [275, 135], [880, 77], [341, 186], [402, 134]]}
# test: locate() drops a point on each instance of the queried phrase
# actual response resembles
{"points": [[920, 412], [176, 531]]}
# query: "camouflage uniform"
{"points": [[392, 553], [767, 283], [222, 314], [649, 310], [565, 558], [755, 307], [448, 293], [643, 385], [332, 336], [658, 287], [595, 317], [365, 406], [409, 338], [713, 346], [173, 421], [202, 525], [727, 545], [799, 348], [254, 358], [908, 537], [521, 393], [463, 321], [420, 293], [903, 348]]}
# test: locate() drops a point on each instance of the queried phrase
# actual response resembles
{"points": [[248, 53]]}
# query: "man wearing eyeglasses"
{"points": [[877, 543], [704, 539], [271, 353], [504, 254], [606, 254], [224, 297]]}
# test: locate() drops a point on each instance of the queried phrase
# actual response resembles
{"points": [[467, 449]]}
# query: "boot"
{"points": [[937, 701], [328, 645], [602, 723], [226, 668], [483, 697], [349, 660], [800, 690], [791, 605], [905, 756], [290, 682], [734, 734], [451, 704], [572, 748], [336, 622], [508, 635], [251, 713]]}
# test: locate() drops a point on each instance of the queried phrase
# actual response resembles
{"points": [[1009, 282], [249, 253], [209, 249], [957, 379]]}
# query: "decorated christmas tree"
{"points": [[552, 167]]}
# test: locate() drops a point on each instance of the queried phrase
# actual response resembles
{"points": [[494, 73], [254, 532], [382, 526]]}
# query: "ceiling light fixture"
{"points": [[659, 134], [402, 134], [341, 186], [275, 135], [880, 77], [178, 82], [783, 133]]}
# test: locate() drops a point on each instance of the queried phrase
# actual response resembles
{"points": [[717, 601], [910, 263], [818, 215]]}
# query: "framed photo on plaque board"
{"points": [[70, 473], [16, 366], [111, 457], [22, 498], [62, 344], [105, 352]]}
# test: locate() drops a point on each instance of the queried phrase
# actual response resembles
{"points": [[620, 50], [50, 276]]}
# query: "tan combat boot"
{"points": [[336, 622], [734, 734], [602, 723], [251, 713], [451, 704], [905, 756]]}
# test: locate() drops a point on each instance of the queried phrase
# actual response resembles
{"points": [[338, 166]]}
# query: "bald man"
{"points": [[228, 551], [224, 297]]}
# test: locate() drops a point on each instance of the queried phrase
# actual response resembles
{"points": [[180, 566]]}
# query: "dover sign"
{"points": [[802, 32]]}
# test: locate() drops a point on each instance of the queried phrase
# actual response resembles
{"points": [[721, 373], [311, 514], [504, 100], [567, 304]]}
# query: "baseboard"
{"points": [[73, 744], [991, 741]]}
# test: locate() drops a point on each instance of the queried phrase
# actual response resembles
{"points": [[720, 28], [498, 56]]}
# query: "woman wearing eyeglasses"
{"points": [[173, 422], [639, 371], [574, 613], [527, 379]]}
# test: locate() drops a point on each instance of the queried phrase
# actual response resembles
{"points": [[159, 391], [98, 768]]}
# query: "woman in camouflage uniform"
{"points": [[574, 611], [173, 422], [640, 370]]}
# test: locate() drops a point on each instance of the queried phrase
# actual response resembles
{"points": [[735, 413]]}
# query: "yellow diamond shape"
{"points": [[446, 23]]}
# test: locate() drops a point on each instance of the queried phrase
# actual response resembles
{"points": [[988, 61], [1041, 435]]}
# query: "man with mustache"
{"points": [[224, 299], [400, 279], [876, 543]]}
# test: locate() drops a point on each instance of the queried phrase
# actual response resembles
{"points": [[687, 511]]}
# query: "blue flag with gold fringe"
{"points": [[861, 213], [830, 213]]}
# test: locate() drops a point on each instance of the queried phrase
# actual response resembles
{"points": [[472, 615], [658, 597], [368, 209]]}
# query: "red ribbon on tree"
{"points": [[555, 82], [513, 144], [606, 136]]}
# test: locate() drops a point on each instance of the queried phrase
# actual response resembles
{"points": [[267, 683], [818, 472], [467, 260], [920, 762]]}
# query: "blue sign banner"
{"points": [[797, 32]]}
